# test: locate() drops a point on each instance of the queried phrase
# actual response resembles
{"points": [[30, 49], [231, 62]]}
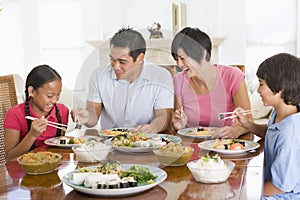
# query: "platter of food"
{"points": [[114, 131], [141, 143], [115, 179], [68, 141], [198, 132], [228, 146]]}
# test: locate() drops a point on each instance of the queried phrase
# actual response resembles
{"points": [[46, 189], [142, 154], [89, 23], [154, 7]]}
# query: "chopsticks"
{"points": [[221, 116], [50, 123]]}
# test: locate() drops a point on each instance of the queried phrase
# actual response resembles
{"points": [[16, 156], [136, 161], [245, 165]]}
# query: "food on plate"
{"points": [[200, 131], [173, 154], [70, 140], [40, 162], [111, 175], [210, 169], [115, 131], [231, 144], [236, 146], [91, 150], [139, 140]]}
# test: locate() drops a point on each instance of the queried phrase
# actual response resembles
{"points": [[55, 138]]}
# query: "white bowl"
{"points": [[210, 175], [96, 152]]}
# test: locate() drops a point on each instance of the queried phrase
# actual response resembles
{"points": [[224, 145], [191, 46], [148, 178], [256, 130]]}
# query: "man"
{"points": [[129, 92]]}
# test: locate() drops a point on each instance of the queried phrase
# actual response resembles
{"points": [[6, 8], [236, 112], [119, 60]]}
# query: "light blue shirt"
{"points": [[282, 154], [131, 104]]}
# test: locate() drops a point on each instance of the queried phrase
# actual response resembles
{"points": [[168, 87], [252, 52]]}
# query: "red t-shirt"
{"points": [[15, 119]]}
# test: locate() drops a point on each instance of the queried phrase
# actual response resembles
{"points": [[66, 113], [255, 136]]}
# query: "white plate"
{"points": [[55, 141], [185, 132], [173, 138], [249, 145], [161, 176]]}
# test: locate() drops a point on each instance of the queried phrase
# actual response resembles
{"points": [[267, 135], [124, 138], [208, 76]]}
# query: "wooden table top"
{"points": [[245, 181]]}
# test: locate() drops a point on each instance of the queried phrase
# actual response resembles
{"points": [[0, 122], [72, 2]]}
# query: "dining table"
{"points": [[245, 181]]}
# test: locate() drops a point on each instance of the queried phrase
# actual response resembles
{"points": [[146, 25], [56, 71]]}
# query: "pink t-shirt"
{"points": [[15, 119], [202, 110]]}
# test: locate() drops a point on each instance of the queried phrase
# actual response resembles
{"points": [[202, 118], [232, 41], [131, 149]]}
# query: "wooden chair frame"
{"points": [[8, 98]]}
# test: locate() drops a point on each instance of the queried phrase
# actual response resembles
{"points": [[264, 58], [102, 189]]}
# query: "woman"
{"points": [[202, 89]]}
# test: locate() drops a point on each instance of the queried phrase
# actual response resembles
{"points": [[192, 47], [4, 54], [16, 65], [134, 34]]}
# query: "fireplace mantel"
{"points": [[158, 50]]}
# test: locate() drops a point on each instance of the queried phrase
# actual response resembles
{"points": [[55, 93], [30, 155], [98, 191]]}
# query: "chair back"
{"points": [[8, 98], [241, 67]]}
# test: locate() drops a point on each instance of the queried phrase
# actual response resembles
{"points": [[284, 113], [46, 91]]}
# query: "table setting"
{"points": [[172, 180]]}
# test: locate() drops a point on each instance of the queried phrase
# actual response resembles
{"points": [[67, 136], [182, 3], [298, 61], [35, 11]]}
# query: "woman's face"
{"points": [[185, 62], [44, 98], [268, 97]]}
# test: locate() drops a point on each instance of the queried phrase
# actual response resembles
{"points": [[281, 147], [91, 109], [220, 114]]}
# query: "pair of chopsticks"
{"points": [[50, 123], [222, 116]]}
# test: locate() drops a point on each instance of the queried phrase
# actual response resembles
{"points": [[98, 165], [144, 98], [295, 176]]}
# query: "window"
{"points": [[272, 29]]}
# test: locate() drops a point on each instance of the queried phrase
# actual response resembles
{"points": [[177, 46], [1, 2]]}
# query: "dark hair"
{"points": [[39, 76], [193, 41], [281, 72], [128, 38]]}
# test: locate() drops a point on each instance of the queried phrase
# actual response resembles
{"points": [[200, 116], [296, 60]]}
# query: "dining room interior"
{"points": [[72, 36], [40, 32]]}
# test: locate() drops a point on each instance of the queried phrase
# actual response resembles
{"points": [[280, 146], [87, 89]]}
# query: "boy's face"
{"points": [[122, 63], [268, 97]]}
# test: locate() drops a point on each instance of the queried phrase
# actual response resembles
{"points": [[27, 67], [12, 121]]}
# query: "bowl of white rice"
{"points": [[91, 151], [211, 169]]}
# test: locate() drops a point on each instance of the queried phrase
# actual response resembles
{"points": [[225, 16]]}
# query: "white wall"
{"points": [[232, 26]]}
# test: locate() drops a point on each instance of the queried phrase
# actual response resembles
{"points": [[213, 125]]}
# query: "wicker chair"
{"points": [[8, 98]]}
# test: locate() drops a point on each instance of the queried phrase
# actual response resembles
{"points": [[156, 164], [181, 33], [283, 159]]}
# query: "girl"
{"points": [[279, 86], [42, 89]]}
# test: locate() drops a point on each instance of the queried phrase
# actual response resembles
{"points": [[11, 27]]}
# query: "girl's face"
{"points": [[268, 97], [44, 98]]}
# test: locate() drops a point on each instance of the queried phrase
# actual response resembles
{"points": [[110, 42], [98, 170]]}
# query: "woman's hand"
{"points": [[179, 119], [38, 126]]}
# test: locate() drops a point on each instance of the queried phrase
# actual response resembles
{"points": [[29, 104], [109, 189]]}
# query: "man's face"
{"points": [[122, 63]]}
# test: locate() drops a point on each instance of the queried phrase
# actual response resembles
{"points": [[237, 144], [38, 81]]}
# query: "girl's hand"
{"points": [[179, 119], [38, 126]]}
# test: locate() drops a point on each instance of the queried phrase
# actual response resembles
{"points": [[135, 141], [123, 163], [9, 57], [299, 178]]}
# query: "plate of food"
{"points": [[68, 141], [140, 142], [115, 179], [198, 132], [229, 146], [114, 131]]}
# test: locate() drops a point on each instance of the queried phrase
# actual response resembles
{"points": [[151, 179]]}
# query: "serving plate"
{"points": [[161, 176], [55, 141], [195, 133], [208, 145], [174, 139]]}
